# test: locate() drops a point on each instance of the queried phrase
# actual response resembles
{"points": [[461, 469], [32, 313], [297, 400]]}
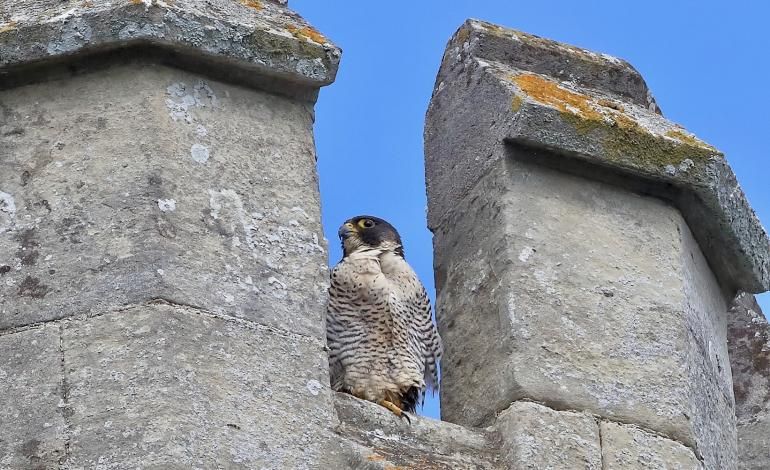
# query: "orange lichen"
{"points": [[375, 458], [551, 93], [136, 2], [11, 25], [307, 33], [255, 4], [688, 139], [623, 138]]}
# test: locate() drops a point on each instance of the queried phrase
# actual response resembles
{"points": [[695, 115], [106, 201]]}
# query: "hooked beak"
{"points": [[346, 230]]}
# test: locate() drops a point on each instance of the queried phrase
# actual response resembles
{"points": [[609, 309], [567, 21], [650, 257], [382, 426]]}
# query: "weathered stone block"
{"points": [[375, 438], [168, 387], [583, 296], [32, 407], [141, 182], [628, 447], [537, 437], [749, 342], [584, 251]]}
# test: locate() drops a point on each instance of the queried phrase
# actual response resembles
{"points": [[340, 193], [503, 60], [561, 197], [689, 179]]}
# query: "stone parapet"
{"points": [[586, 249]]}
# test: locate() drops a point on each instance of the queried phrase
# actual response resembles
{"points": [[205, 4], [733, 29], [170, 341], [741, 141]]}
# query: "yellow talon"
{"points": [[396, 410]]}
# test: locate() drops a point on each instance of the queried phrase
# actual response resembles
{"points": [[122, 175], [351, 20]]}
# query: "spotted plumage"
{"points": [[383, 346]]}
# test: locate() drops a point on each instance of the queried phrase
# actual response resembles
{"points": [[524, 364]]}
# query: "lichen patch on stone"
{"points": [[551, 93], [689, 139], [7, 212], [624, 135], [255, 4], [199, 153], [167, 205], [307, 33], [463, 34], [9, 26], [7, 203]]}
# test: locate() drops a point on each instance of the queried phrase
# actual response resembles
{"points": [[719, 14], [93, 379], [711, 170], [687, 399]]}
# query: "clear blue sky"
{"points": [[705, 62]]}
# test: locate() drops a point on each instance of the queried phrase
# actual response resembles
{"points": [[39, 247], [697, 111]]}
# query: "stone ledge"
{"points": [[381, 440], [248, 37], [603, 130], [526, 435]]}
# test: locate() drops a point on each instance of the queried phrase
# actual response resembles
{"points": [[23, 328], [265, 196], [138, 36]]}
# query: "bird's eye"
{"points": [[366, 223]]}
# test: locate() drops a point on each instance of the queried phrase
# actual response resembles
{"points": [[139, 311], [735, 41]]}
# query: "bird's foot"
{"points": [[396, 410]]}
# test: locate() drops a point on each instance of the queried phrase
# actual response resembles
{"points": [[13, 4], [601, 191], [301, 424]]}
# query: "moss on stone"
{"points": [[689, 139], [627, 142], [647, 150]]}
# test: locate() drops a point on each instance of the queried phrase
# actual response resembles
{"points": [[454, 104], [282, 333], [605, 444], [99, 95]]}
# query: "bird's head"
{"points": [[368, 232]]}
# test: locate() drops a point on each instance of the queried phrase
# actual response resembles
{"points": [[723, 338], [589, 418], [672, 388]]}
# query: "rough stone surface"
{"points": [[380, 440], [32, 415], [543, 56], [749, 342], [628, 447], [537, 437], [592, 124], [582, 296], [575, 232], [162, 386], [143, 182], [255, 39]]}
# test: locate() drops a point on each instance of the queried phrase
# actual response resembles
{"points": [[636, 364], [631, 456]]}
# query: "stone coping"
{"points": [[241, 37]]}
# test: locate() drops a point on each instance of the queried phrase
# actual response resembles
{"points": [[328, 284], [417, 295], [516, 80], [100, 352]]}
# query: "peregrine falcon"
{"points": [[383, 346]]}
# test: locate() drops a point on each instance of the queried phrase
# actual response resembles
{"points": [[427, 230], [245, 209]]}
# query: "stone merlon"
{"points": [[592, 114], [253, 41]]}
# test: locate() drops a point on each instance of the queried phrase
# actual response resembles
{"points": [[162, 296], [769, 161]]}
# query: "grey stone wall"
{"points": [[163, 270], [749, 341]]}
